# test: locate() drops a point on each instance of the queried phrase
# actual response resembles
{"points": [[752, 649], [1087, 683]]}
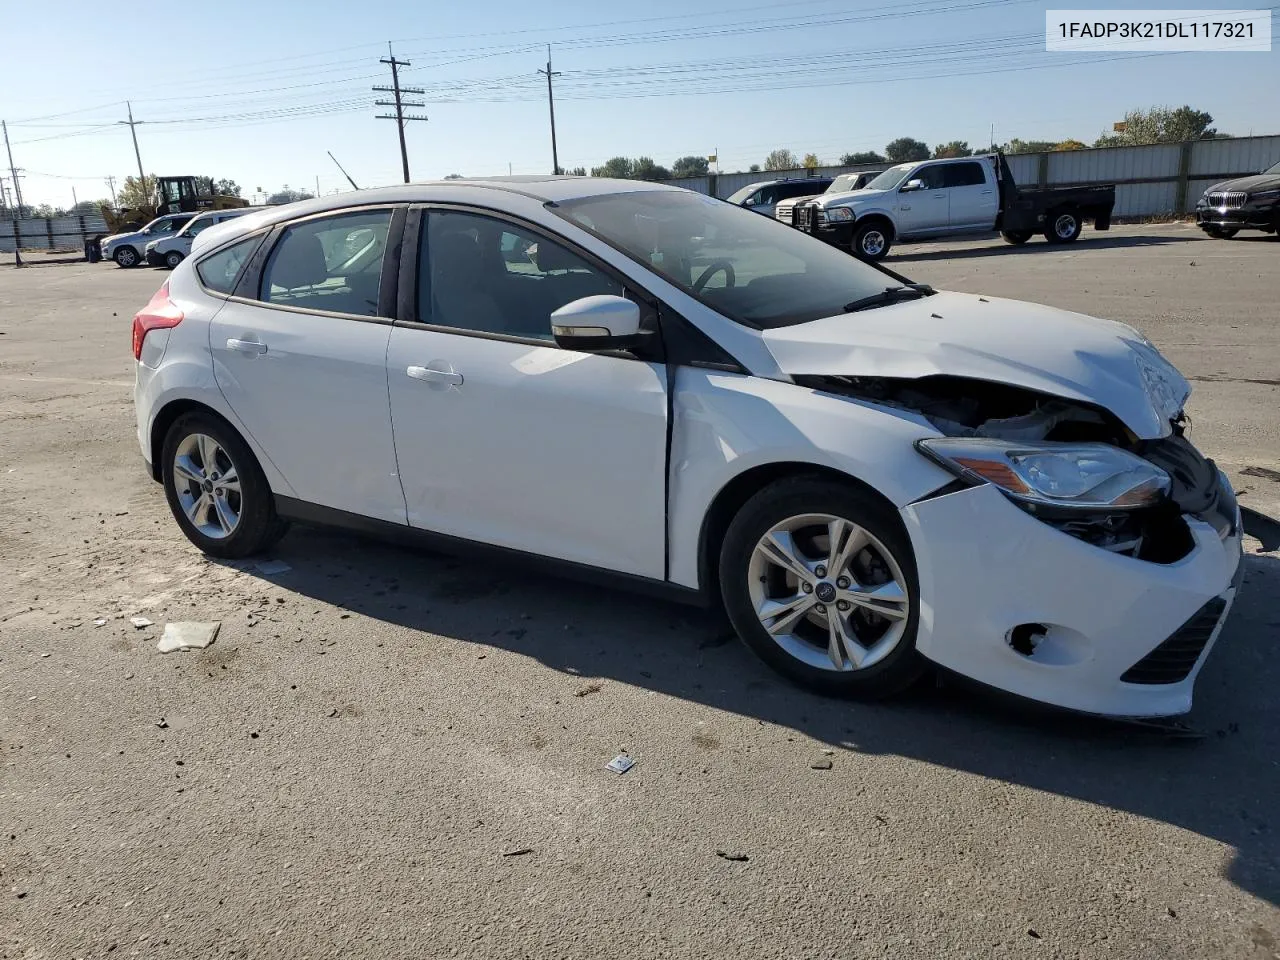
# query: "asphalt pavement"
{"points": [[394, 754]]}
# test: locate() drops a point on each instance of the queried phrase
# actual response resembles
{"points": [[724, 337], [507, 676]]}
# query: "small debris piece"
{"points": [[1032, 933], [588, 689], [620, 764], [1263, 472], [140, 622], [1172, 912], [272, 567], [162, 724], [100, 622], [332, 713], [820, 765], [187, 635], [43, 655], [828, 753], [518, 852], [735, 857]]}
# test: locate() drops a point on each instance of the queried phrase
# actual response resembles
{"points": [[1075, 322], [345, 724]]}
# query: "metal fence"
{"points": [[1162, 179], [50, 233]]}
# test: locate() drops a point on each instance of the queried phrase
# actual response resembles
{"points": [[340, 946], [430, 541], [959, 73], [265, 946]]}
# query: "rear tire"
{"points": [[1062, 226], [126, 257], [1016, 237], [216, 489], [871, 241], [877, 571]]}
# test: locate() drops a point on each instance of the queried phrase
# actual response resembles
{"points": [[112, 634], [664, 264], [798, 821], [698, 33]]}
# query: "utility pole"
{"points": [[551, 104], [75, 201], [133, 129], [111, 185], [399, 103], [17, 187], [317, 184]]}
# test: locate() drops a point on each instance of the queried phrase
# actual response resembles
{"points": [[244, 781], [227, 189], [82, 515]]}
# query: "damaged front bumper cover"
{"points": [[1110, 634]]}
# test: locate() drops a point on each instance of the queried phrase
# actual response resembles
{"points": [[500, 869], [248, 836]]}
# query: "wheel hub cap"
{"points": [[207, 485], [828, 592]]}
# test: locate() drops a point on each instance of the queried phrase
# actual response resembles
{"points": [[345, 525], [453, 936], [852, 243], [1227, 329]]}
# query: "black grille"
{"points": [[1174, 659], [802, 219]]}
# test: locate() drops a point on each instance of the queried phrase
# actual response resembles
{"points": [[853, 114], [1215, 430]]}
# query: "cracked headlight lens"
{"points": [[1087, 476]]}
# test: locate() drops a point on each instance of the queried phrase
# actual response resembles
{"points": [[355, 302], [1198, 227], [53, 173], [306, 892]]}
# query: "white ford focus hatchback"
{"points": [[640, 383]]}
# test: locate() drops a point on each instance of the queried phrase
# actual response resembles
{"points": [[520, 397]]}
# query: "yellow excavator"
{"points": [[173, 195]]}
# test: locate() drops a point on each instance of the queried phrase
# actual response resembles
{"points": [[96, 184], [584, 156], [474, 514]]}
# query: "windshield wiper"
{"points": [[910, 291]]}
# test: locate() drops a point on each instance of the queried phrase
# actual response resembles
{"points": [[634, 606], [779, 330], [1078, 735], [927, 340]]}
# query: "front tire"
{"points": [[1063, 226], [819, 580], [126, 257], [173, 258], [1016, 237], [216, 489], [1220, 233], [871, 241]]}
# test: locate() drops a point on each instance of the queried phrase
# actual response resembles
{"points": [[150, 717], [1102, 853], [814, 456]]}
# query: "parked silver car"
{"points": [[127, 249], [171, 250]]}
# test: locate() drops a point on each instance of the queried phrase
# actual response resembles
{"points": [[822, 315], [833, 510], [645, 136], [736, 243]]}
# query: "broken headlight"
{"points": [[1080, 476]]}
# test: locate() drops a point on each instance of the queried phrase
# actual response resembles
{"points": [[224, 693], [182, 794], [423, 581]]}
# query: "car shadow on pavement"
{"points": [[1222, 785], [1037, 245]]}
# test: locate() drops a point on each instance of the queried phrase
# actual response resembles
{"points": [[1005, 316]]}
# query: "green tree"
{"points": [[754, 168], [1069, 144], [1028, 146], [948, 151], [689, 167], [781, 160], [136, 193], [864, 156], [1161, 125], [285, 195], [645, 169], [620, 168], [811, 161], [905, 149], [454, 176], [578, 172]]}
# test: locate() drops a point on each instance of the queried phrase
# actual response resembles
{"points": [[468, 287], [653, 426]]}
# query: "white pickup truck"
{"points": [[937, 198]]}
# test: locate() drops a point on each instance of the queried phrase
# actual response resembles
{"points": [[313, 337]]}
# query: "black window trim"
{"points": [[958, 164], [407, 294], [251, 275]]}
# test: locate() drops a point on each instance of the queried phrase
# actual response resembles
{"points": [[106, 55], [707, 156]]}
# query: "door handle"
{"points": [[432, 375], [254, 347], [939, 196], [904, 206]]}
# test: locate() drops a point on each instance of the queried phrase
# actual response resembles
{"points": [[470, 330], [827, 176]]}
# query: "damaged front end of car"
{"points": [[1096, 620]]}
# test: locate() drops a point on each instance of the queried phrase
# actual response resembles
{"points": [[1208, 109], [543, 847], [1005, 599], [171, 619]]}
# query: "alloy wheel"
{"points": [[1065, 226], [873, 243], [828, 592], [208, 486]]}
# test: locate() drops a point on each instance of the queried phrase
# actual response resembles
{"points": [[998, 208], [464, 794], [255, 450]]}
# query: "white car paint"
{"points": [[181, 242], [986, 338], [560, 452]]}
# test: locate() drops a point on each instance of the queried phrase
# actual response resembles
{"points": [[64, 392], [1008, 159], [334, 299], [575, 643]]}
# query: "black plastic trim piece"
{"points": [[309, 513]]}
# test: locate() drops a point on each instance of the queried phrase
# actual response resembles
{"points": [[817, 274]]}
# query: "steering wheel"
{"points": [[715, 267]]}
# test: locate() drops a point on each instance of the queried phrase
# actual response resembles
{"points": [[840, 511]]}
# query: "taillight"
{"points": [[160, 313]]}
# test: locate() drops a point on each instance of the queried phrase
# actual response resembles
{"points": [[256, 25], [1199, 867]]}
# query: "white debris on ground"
{"points": [[620, 764], [140, 622], [187, 635]]}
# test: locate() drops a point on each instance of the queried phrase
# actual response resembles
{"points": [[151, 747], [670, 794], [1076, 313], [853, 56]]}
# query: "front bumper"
{"points": [[805, 219], [1249, 217], [1114, 624]]}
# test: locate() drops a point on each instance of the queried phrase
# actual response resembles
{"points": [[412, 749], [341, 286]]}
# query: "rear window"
{"points": [[220, 271]]}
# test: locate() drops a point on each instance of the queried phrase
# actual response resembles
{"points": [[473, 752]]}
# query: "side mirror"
{"points": [[912, 185], [750, 202], [597, 323]]}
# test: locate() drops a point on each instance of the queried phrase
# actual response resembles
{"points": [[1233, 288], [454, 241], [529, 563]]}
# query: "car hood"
{"points": [[1261, 181], [1051, 351], [851, 198]]}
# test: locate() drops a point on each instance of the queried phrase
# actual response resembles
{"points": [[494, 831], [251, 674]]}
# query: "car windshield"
{"points": [[740, 195], [844, 183], [1275, 169], [891, 177], [752, 269]]}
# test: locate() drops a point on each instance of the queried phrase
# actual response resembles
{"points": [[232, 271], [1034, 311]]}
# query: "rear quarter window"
{"points": [[220, 271]]}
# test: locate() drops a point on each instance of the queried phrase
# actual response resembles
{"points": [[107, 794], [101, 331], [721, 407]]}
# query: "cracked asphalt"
{"points": [[391, 754]]}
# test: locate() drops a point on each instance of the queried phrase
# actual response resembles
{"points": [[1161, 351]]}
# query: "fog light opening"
{"points": [[1025, 637]]}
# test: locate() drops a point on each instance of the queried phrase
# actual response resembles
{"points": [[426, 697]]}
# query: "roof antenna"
{"points": [[344, 172]]}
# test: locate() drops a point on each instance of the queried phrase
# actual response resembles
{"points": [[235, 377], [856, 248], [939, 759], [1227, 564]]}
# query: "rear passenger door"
{"points": [[299, 352], [504, 438], [972, 196]]}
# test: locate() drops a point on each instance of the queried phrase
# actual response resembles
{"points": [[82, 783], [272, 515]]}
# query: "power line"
{"points": [[399, 103]]}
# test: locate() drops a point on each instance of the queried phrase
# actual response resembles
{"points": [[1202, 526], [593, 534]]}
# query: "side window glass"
{"points": [[332, 264], [963, 174], [934, 177], [489, 276], [219, 272], [198, 226]]}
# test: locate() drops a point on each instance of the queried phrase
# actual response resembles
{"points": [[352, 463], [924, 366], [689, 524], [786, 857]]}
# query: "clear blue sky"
{"points": [[279, 83]]}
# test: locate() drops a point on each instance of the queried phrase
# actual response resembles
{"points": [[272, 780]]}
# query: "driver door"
{"points": [[927, 210]]}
